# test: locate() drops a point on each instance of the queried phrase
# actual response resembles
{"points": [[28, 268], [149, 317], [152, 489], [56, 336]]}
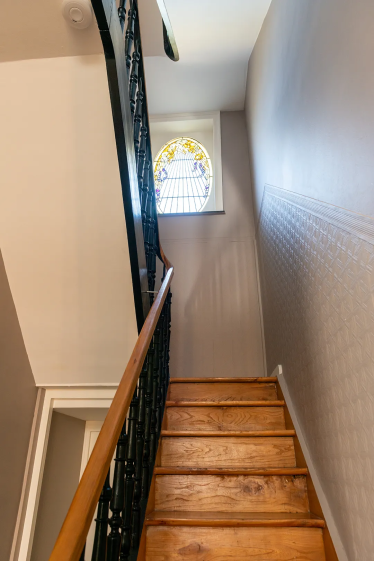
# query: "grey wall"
{"points": [[309, 101], [215, 313], [17, 403], [60, 480], [310, 120]]}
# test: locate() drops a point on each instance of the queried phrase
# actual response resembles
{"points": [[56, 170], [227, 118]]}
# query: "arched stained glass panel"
{"points": [[183, 176]]}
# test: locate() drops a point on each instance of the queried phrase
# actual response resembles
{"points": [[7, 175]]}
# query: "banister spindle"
{"points": [[129, 481], [134, 77], [138, 117], [122, 13], [129, 36], [142, 148], [100, 541], [160, 393], [136, 509], [155, 383], [147, 429], [164, 357], [144, 192], [118, 497]]}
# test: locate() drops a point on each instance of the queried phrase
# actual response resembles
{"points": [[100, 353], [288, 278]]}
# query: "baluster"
{"points": [[134, 76], [168, 323], [118, 497], [101, 530], [138, 117], [144, 193], [149, 240], [122, 13], [160, 404], [147, 429], [129, 36], [142, 148], [155, 377], [129, 481], [136, 509], [165, 353]]}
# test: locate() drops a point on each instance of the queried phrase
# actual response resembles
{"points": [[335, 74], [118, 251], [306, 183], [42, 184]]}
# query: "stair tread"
{"points": [[277, 403], [229, 471], [261, 380], [176, 433], [228, 451], [172, 518], [225, 418], [223, 391]]}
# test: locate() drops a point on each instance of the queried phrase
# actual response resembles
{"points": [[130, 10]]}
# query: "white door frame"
{"points": [[54, 398]]}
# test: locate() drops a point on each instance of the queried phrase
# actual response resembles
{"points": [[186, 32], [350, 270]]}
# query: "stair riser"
{"points": [[231, 493], [264, 452], [222, 392], [225, 418], [241, 544]]}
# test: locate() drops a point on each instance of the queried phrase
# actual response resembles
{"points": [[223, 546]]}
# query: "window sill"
{"points": [[174, 214]]}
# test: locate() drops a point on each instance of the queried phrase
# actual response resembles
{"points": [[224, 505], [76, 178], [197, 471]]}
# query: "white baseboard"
{"points": [[339, 547]]}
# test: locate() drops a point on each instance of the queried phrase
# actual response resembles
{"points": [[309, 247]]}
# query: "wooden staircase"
{"points": [[226, 484]]}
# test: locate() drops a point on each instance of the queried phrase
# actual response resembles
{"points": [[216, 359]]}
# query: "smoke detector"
{"points": [[78, 13]]}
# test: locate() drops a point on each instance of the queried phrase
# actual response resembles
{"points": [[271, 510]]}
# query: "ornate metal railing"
{"points": [[132, 426]]}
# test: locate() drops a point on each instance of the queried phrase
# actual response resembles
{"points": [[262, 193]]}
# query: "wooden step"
{"points": [[229, 471], [234, 519], [277, 403], [228, 451], [168, 543], [252, 380], [231, 493], [225, 418], [220, 434], [222, 391]]}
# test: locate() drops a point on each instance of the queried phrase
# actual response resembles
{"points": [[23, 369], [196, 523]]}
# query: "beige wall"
{"points": [[60, 481], [216, 329], [62, 226], [310, 117], [17, 403], [309, 102]]}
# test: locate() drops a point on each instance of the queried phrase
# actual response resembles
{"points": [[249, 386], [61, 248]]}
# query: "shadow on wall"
{"points": [[17, 404], [216, 325]]}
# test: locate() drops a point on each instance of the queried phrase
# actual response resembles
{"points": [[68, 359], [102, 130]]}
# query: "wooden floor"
{"points": [[229, 483]]}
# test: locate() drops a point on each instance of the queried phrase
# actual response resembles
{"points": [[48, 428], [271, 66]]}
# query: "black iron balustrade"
{"points": [[121, 509]]}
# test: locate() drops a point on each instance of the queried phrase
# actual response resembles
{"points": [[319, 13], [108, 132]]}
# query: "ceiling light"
{"points": [[78, 13]]}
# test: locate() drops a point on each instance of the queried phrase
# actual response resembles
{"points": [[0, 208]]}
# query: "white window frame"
{"points": [[215, 116]]}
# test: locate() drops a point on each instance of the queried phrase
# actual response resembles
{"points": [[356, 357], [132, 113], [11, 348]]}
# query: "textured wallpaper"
{"points": [[317, 280]]}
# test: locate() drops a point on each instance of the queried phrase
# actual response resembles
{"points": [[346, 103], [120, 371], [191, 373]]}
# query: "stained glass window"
{"points": [[183, 176]]}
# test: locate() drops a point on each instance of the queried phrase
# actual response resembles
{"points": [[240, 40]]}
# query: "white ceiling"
{"points": [[215, 39], [36, 29]]}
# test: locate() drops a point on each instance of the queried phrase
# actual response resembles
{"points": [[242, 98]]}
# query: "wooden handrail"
{"points": [[71, 539]]}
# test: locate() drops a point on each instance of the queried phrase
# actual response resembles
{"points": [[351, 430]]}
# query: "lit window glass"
{"points": [[183, 176]]}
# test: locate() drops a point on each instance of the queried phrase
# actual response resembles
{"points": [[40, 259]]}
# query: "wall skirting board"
{"points": [[340, 551], [316, 266]]}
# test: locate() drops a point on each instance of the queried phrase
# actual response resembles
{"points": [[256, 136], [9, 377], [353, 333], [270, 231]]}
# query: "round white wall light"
{"points": [[78, 13]]}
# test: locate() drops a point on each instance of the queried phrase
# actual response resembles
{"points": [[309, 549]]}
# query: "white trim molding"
{"points": [[215, 117], [98, 398], [340, 551], [356, 224]]}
